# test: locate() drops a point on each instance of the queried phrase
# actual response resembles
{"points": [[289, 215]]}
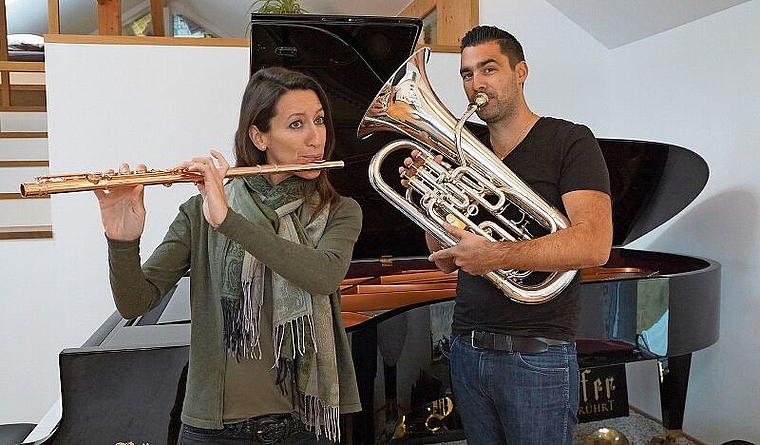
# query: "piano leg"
{"points": [[674, 381], [360, 427]]}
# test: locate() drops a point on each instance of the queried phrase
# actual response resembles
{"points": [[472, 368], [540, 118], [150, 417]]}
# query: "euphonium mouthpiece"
{"points": [[480, 99]]}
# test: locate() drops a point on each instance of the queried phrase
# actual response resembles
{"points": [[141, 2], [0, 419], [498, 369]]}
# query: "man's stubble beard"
{"points": [[497, 112]]}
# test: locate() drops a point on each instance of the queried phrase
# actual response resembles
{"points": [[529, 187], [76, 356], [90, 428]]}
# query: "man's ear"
{"points": [[257, 137], [521, 69]]}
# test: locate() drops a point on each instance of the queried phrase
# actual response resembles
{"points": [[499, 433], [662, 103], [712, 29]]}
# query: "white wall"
{"points": [[568, 74], [696, 86], [691, 86], [106, 104]]}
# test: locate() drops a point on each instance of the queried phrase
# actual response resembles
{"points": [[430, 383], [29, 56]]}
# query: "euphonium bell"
{"points": [[471, 188]]}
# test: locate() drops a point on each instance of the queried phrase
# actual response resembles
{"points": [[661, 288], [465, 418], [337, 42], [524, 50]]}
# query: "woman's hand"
{"points": [[212, 187], [122, 209]]}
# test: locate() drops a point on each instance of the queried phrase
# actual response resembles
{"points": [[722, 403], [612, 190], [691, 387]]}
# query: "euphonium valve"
{"points": [[471, 188]]}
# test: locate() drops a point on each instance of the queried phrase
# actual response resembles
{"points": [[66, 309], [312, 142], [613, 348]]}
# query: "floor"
{"points": [[638, 429]]}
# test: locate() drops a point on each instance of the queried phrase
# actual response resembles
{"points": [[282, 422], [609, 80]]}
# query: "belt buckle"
{"points": [[472, 340], [271, 431]]}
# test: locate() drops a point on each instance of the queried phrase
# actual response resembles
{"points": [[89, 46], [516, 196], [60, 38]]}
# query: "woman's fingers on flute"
{"points": [[208, 164], [219, 158], [223, 164], [124, 168]]}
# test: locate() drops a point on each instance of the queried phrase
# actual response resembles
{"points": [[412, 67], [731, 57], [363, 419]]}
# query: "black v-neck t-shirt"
{"points": [[555, 157]]}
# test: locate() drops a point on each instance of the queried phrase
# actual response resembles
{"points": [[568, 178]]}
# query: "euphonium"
{"points": [[471, 188]]}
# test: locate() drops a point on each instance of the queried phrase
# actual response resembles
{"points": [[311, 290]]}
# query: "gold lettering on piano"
{"points": [[131, 443], [597, 408], [600, 388], [603, 393]]}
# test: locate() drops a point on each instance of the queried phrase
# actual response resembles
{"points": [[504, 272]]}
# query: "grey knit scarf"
{"points": [[302, 323]]}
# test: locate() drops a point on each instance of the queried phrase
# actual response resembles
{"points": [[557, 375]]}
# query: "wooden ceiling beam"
{"points": [[54, 17], [109, 17], [157, 17]]}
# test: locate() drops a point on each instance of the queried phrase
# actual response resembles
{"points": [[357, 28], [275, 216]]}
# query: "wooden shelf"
{"points": [[22, 108], [25, 163], [26, 232], [23, 135]]}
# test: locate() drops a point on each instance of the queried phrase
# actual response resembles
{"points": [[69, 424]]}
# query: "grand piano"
{"points": [[126, 383]]}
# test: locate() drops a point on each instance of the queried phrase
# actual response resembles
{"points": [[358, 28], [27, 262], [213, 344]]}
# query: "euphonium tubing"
{"points": [[469, 180]]}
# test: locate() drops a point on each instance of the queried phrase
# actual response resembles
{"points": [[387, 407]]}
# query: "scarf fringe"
{"points": [[297, 336], [321, 418], [286, 371], [241, 329]]}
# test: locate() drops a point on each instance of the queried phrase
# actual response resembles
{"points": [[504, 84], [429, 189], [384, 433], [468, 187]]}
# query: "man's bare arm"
{"points": [[585, 243]]}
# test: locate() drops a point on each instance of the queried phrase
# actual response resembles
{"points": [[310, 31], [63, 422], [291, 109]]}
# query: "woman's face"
{"points": [[297, 133]]}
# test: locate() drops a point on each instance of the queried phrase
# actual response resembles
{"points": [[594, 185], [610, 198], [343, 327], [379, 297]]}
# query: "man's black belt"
{"points": [[509, 343]]}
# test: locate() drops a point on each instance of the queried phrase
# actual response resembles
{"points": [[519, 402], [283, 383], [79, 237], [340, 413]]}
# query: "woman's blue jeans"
{"points": [[515, 398]]}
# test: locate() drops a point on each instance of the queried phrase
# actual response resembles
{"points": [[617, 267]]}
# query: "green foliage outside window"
{"points": [[278, 7]]}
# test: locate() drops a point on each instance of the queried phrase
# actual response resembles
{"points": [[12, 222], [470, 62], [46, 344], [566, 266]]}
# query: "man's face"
{"points": [[485, 69]]}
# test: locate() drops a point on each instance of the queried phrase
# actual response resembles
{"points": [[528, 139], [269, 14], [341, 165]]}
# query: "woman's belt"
{"points": [[267, 429]]}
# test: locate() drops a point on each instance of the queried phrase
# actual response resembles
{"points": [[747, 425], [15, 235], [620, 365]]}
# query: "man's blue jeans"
{"points": [[515, 398]]}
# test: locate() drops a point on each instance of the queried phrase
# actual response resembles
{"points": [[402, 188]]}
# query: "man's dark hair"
{"points": [[509, 45]]}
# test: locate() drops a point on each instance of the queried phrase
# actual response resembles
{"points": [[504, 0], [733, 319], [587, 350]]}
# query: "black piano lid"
{"points": [[353, 56], [650, 182]]}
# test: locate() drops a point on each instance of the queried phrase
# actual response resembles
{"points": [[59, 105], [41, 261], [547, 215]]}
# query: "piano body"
{"points": [[126, 384]]}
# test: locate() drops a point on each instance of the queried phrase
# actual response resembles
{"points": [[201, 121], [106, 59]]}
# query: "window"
{"points": [[445, 21], [182, 26]]}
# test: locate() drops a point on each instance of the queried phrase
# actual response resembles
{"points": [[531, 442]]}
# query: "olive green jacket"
{"points": [[137, 289]]}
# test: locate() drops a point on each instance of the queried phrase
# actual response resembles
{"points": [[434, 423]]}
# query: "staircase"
{"points": [[23, 137], [23, 156]]}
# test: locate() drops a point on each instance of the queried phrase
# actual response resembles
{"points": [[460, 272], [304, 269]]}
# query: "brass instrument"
{"points": [[77, 182], [478, 192], [430, 418], [605, 436]]}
